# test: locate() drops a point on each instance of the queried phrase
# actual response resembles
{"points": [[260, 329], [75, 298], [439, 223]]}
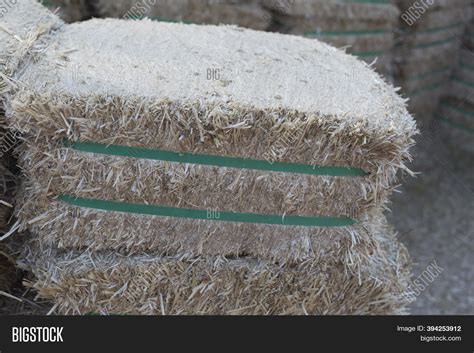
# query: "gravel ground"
{"points": [[434, 216]]}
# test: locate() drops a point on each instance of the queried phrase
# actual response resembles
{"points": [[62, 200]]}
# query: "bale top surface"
{"points": [[157, 61]]}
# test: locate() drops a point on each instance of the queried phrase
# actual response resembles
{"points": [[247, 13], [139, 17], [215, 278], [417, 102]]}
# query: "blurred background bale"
{"points": [[455, 113], [366, 29], [427, 51], [433, 212], [244, 13]]}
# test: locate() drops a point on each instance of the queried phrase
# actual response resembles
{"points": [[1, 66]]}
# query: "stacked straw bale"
{"points": [[365, 28], [153, 187], [456, 110], [110, 283], [427, 51], [244, 13]]}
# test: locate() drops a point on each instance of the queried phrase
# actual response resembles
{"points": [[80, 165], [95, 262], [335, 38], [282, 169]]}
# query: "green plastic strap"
{"points": [[211, 215], [220, 161]]}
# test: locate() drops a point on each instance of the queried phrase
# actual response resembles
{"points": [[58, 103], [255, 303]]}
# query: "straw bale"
{"points": [[348, 117], [246, 13], [432, 36], [426, 53], [434, 17], [423, 71], [422, 62], [62, 170], [226, 113], [364, 102], [434, 5], [366, 30], [384, 13], [111, 82], [74, 227], [20, 30], [106, 283]]}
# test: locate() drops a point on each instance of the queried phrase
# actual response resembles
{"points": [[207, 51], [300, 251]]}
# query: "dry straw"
{"points": [[368, 129], [106, 283], [336, 133]]}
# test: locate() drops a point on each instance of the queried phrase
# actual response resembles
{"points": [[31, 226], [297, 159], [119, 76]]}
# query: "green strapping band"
{"points": [[210, 215], [220, 161]]}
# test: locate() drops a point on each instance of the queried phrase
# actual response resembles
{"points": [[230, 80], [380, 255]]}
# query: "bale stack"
{"points": [[244, 13], [365, 28], [154, 187], [456, 110], [427, 51]]}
